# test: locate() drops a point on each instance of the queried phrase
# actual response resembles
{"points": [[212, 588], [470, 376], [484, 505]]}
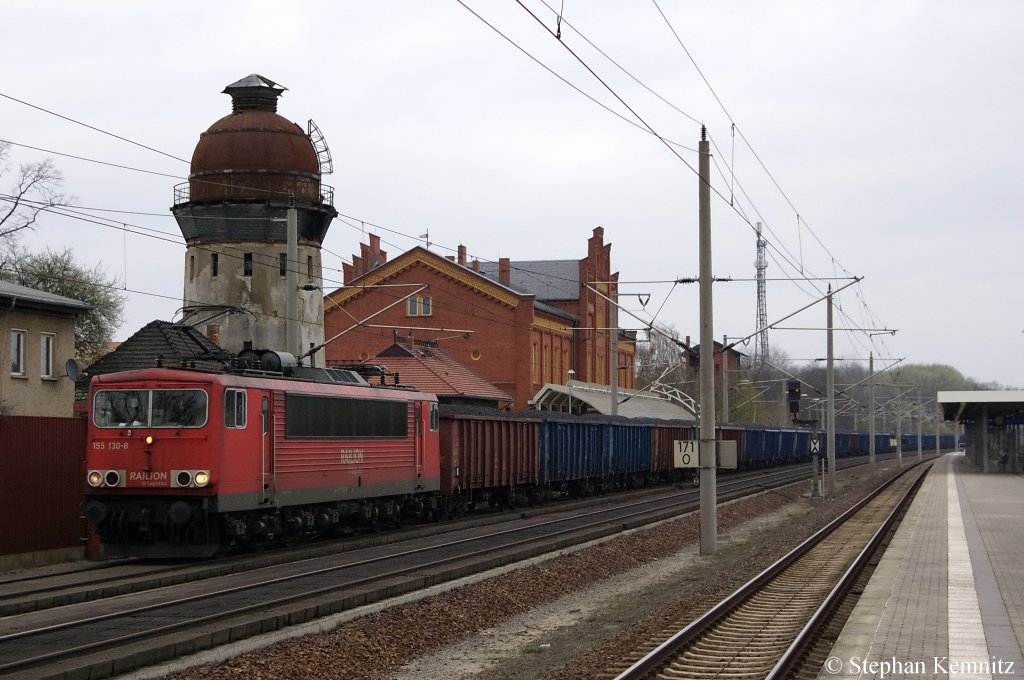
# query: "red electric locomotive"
{"points": [[185, 463]]}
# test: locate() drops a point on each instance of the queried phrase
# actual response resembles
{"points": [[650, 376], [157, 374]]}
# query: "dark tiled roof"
{"points": [[172, 342], [430, 369], [547, 279]]}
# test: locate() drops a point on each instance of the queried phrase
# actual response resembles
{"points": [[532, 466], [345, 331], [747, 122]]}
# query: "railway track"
{"points": [[20, 595], [768, 627], [88, 639]]}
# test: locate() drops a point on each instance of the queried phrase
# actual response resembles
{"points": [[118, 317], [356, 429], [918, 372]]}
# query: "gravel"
{"points": [[571, 617]]}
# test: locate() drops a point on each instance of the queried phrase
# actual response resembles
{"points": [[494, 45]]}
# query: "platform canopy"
{"points": [[591, 398], [963, 405]]}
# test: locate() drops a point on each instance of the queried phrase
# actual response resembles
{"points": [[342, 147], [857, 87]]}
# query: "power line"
{"points": [[91, 127], [574, 87]]}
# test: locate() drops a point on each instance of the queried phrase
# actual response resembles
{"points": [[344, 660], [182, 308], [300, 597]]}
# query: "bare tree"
{"points": [[661, 359], [36, 188]]}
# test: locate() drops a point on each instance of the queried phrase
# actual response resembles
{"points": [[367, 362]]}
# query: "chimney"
{"points": [[462, 255], [504, 271], [476, 266]]}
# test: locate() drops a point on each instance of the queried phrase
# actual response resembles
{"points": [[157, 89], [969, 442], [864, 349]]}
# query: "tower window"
{"points": [[247, 264], [309, 266], [192, 268], [282, 264], [214, 265]]}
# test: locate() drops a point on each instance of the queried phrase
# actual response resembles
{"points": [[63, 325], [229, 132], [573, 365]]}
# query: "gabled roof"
{"points": [[419, 255], [32, 297], [718, 349], [552, 280], [172, 342], [431, 369]]}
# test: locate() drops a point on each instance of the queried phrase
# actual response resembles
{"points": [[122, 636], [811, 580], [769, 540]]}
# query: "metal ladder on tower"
{"points": [[323, 153]]}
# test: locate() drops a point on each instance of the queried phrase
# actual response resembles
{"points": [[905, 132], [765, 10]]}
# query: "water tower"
{"points": [[247, 170]]}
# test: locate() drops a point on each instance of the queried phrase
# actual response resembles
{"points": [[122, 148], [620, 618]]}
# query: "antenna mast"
{"points": [[762, 309]]}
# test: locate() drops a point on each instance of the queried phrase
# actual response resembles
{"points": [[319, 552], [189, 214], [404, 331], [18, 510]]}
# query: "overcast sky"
{"points": [[891, 131]]}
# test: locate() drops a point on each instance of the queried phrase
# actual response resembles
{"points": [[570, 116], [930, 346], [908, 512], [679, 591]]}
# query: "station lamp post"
{"points": [[571, 374]]}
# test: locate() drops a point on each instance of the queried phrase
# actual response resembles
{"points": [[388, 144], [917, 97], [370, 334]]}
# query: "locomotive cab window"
{"points": [[234, 408], [150, 408], [178, 408], [434, 417]]}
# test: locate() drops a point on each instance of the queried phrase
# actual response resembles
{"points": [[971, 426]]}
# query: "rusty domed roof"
{"points": [[254, 153]]}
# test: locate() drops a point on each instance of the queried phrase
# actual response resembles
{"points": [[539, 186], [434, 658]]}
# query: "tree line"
{"points": [[758, 389]]}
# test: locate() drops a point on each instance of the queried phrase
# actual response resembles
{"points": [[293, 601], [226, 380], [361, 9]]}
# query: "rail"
{"points": [[683, 639]]}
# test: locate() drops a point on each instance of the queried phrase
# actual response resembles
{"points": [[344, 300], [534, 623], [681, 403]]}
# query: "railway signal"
{"points": [[793, 395]]}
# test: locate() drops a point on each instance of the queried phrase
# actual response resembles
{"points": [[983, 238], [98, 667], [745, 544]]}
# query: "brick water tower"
{"points": [[247, 170]]}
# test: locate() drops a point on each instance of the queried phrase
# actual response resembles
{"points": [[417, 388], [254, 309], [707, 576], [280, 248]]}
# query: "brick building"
{"points": [[520, 325]]}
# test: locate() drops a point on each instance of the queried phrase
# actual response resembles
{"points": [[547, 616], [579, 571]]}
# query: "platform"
{"points": [[947, 598]]}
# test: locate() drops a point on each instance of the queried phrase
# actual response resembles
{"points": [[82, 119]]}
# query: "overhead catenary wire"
{"points": [[621, 100], [363, 222], [733, 174], [731, 167], [798, 265]]}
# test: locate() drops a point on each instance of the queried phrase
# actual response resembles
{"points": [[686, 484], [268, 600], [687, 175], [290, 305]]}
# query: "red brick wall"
{"points": [[497, 349], [501, 347]]}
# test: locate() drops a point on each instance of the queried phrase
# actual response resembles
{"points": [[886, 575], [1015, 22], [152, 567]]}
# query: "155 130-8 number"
{"points": [[110, 446]]}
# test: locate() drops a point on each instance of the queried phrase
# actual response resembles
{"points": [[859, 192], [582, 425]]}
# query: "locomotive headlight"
{"points": [[112, 478], [202, 478], [95, 477], [184, 478], [149, 440]]}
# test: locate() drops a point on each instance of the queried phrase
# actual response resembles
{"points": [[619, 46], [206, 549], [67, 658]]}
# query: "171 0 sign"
{"points": [[686, 453]]}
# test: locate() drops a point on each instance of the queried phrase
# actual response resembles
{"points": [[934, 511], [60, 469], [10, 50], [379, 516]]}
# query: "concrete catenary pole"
{"points": [[291, 282], [920, 423], [708, 490], [899, 435], [613, 350], [871, 412], [831, 406], [725, 380]]}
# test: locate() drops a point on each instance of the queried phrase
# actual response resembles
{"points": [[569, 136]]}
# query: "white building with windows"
{"points": [[39, 337]]}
